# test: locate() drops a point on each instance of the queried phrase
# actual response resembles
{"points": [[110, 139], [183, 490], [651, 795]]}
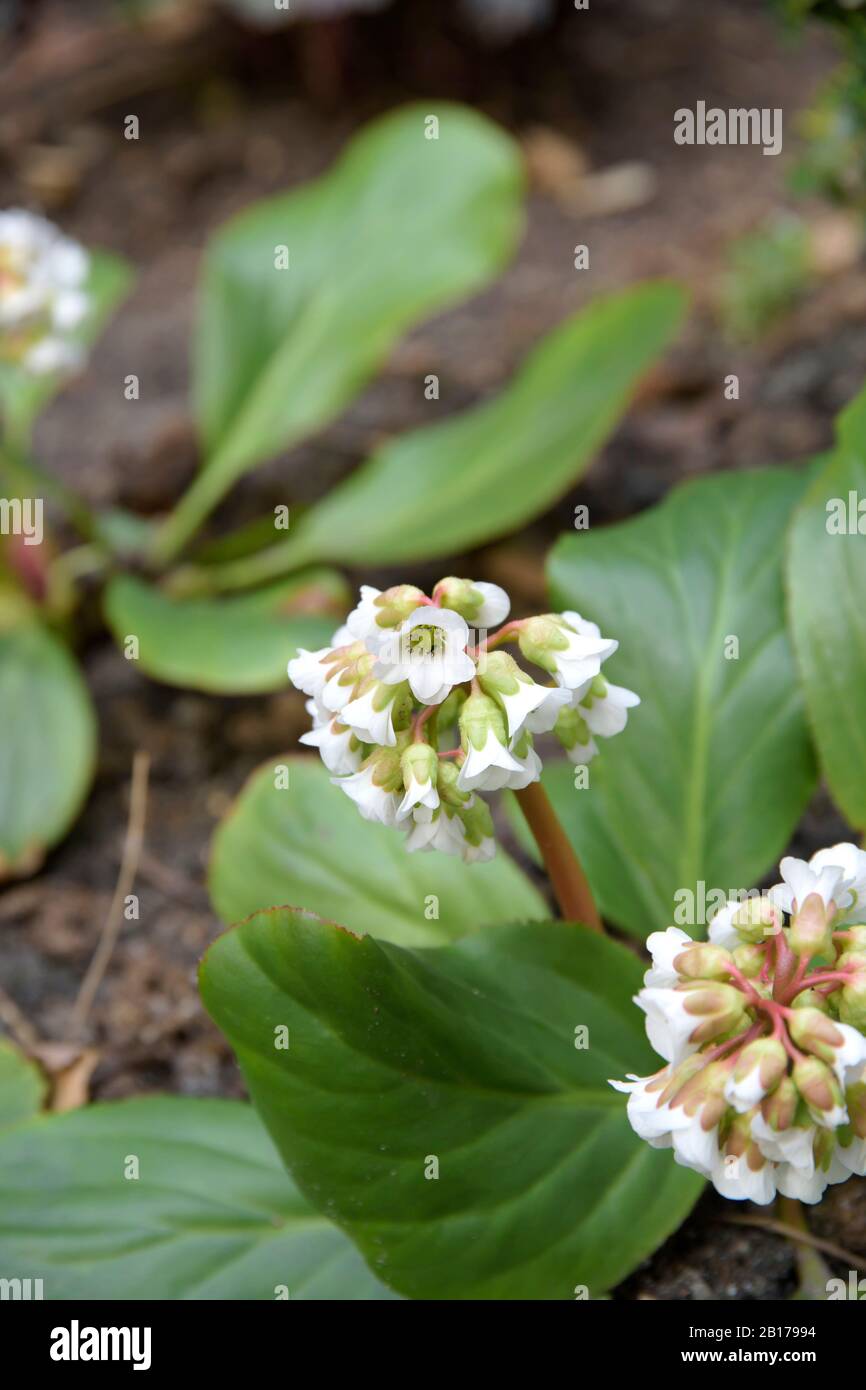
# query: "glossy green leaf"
{"points": [[209, 1212], [22, 1087], [402, 226], [440, 1106], [489, 470], [307, 845], [230, 646], [22, 395], [827, 584], [47, 745], [715, 767]]}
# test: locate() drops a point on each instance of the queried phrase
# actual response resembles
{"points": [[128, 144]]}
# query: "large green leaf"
{"points": [[308, 845], [210, 1215], [23, 395], [22, 1087], [827, 585], [229, 646], [467, 1055], [47, 745], [715, 767], [401, 226], [454, 484]]}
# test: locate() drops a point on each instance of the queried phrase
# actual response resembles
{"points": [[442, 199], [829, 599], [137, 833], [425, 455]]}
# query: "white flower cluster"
{"points": [[763, 1031], [407, 669], [43, 299]]}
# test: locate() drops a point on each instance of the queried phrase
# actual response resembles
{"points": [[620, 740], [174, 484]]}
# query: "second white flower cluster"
{"points": [[409, 673]]}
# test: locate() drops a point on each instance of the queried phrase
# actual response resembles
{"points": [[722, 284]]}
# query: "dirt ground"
{"points": [[229, 116]]}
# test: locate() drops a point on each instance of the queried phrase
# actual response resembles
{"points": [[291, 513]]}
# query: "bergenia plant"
{"points": [[302, 299]]}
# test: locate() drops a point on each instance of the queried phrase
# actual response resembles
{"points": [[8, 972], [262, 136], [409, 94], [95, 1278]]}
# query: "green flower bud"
{"points": [[749, 960], [449, 710], [449, 792], [779, 1109], [703, 962], [571, 729], [420, 763], [756, 920], [479, 717], [721, 1009], [811, 999], [855, 1100], [387, 772], [811, 930], [539, 638], [815, 1032], [395, 604], [852, 1000], [820, 1091], [477, 821]]}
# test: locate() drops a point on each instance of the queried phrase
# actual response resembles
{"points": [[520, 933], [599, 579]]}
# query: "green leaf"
{"points": [[47, 745], [228, 646], [308, 845], [715, 767], [211, 1214], [467, 1055], [23, 396], [400, 227], [22, 1087], [489, 470], [827, 583]]}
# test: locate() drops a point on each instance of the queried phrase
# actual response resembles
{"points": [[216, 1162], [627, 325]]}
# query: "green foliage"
{"points": [[439, 1104]]}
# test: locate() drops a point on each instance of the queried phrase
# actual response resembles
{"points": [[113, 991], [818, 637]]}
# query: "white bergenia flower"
{"points": [[489, 767], [607, 714], [371, 713], [495, 607], [852, 862], [801, 880], [429, 651], [376, 801], [340, 751], [664, 947], [765, 1090], [443, 831], [43, 298], [375, 694]]}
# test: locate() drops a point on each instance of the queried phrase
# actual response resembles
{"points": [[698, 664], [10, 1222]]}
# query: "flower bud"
{"points": [[852, 1000], [810, 933], [482, 605], [820, 1091], [721, 1009], [758, 1070], [749, 960], [815, 1032], [572, 730], [779, 1109], [449, 791], [420, 764], [539, 638], [395, 604], [855, 1099], [481, 718], [756, 920], [811, 999], [449, 710], [703, 963], [477, 821]]}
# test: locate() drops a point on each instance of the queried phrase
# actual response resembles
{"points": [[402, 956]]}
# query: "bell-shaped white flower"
{"points": [[374, 787], [567, 646], [429, 651], [664, 947], [373, 711], [420, 768], [440, 830], [488, 764], [338, 747], [800, 880], [605, 707], [852, 861], [757, 1070]]}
